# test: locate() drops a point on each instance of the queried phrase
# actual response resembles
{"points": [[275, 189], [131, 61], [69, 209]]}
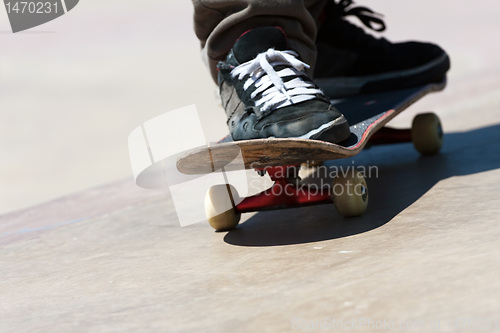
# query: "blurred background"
{"points": [[73, 89]]}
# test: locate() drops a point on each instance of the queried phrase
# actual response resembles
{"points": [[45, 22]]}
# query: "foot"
{"points": [[266, 93], [352, 62]]}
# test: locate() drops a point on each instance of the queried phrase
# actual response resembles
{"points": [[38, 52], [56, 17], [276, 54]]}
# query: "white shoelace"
{"points": [[275, 92]]}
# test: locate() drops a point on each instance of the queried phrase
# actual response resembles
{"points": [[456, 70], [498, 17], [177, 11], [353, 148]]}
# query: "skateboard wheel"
{"points": [[350, 194], [219, 207], [427, 133]]}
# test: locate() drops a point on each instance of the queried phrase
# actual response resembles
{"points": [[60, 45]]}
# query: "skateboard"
{"points": [[281, 158]]}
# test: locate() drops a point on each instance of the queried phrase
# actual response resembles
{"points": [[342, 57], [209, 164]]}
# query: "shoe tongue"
{"points": [[258, 40]]}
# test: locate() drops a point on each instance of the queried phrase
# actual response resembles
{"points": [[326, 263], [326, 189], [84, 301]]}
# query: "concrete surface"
{"points": [[424, 258]]}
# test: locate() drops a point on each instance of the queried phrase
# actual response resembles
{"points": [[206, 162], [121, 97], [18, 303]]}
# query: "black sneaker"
{"points": [[266, 93], [351, 62]]}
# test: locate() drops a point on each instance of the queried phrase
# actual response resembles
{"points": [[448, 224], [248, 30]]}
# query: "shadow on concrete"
{"points": [[403, 177]]}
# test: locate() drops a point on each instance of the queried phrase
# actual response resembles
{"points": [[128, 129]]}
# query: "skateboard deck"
{"points": [[366, 115]]}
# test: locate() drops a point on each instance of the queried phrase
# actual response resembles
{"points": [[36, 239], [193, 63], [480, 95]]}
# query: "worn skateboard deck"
{"points": [[366, 114]]}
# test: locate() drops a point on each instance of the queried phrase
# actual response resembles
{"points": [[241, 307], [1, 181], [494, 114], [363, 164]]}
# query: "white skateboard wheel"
{"points": [[219, 207], [350, 194], [427, 133]]}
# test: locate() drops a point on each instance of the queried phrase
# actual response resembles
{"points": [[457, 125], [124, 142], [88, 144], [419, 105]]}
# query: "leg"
{"points": [[218, 24]]}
